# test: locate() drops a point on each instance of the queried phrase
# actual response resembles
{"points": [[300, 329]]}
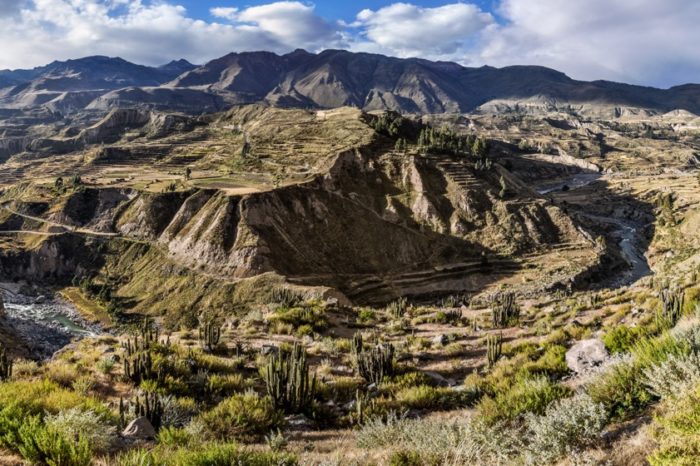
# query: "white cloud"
{"points": [[639, 41], [404, 29], [153, 33], [224, 12]]}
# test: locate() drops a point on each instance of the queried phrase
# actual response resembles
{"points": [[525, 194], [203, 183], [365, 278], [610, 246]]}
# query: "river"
{"points": [[45, 322], [626, 231]]}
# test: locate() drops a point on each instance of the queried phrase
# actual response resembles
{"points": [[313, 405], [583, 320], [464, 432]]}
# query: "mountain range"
{"points": [[329, 79]]}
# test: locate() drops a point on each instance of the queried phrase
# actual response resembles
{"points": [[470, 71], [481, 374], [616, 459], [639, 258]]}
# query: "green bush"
{"points": [[76, 423], [526, 395], [433, 398], [311, 314], [213, 454], [43, 444], [406, 458], [621, 390], [621, 338], [677, 432], [243, 416], [43, 396]]}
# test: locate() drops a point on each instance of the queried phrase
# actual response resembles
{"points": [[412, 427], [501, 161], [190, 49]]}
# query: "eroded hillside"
{"points": [[325, 203]]}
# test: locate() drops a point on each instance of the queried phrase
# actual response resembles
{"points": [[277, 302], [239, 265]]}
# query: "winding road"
{"points": [[67, 228]]}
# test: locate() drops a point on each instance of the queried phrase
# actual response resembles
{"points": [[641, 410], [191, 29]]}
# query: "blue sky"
{"points": [[648, 42], [345, 10]]}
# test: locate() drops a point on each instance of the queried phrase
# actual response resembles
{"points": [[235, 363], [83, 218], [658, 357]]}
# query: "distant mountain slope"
{"points": [[329, 79]]}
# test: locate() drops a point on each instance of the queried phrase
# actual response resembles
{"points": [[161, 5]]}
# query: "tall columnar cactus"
{"points": [[357, 344], [505, 311], [139, 367], [138, 360], [494, 348], [209, 336], [5, 364], [375, 363], [288, 381], [149, 406], [146, 337], [672, 302]]}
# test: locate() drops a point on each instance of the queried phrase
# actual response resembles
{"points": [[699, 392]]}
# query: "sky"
{"points": [[649, 42]]}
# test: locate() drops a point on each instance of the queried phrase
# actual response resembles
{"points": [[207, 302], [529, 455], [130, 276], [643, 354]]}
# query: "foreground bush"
{"points": [[566, 425], [439, 442], [677, 432], [75, 424], [243, 416], [42, 444], [213, 454]]}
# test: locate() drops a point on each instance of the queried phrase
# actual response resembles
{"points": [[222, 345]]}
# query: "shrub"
{"points": [[620, 389], [435, 398], [174, 436], [213, 454], [62, 373], [243, 416], [526, 395], [676, 432], [24, 368], [75, 423], [621, 338], [566, 425], [673, 377], [406, 458], [43, 444], [105, 365], [441, 442], [39, 396], [226, 384], [311, 313]]}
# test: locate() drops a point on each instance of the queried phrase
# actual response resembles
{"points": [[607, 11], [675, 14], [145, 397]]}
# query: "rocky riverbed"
{"points": [[44, 322]]}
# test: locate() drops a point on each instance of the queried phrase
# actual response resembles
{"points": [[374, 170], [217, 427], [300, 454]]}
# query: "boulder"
{"points": [[139, 429], [440, 380], [440, 340], [269, 349], [586, 355]]}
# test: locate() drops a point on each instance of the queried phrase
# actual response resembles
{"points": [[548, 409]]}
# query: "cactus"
{"points": [[672, 302], [494, 348], [285, 297], [288, 381], [375, 363], [149, 406], [357, 345], [5, 364], [398, 308], [138, 361], [361, 400], [209, 336], [139, 367], [144, 340], [505, 311]]}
